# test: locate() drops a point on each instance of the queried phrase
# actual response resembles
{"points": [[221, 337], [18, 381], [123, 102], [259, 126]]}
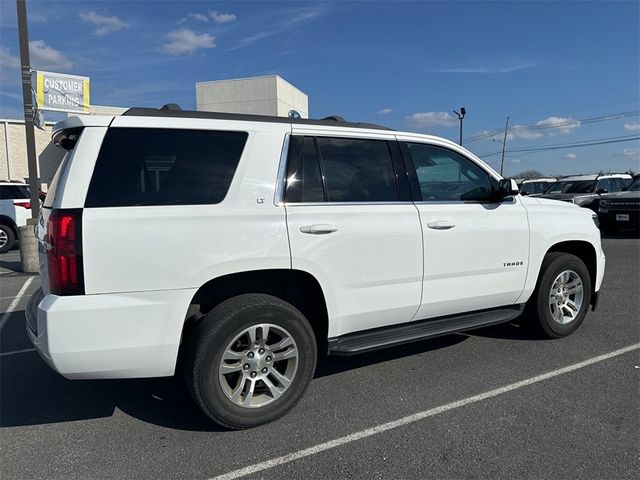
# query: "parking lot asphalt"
{"points": [[580, 422]]}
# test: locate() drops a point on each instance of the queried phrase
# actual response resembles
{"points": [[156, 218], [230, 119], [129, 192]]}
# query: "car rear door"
{"points": [[475, 249], [352, 226]]}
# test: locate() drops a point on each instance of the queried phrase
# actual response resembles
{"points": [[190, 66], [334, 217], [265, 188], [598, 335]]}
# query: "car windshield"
{"points": [[635, 186], [572, 186]]}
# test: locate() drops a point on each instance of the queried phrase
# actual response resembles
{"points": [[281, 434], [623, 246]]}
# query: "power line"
{"points": [[586, 143], [567, 123], [572, 109]]}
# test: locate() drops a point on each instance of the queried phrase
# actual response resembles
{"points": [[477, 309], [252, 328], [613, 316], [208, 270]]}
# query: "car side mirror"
{"points": [[600, 191], [508, 187]]}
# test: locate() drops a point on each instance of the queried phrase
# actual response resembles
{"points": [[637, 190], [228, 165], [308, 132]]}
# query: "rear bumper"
{"points": [[123, 335]]}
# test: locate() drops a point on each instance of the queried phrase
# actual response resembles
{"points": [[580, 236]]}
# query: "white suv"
{"points": [[238, 246], [15, 209]]}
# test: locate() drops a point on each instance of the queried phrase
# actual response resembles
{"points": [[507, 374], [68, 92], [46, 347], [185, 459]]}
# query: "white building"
{"points": [[270, 95]]}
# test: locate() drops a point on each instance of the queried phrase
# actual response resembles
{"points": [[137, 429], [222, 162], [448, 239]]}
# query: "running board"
{"points": [[360, 342]]}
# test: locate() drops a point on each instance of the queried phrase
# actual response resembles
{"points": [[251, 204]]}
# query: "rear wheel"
{"points": [[7, 238], [250, 360], [562, 296]]}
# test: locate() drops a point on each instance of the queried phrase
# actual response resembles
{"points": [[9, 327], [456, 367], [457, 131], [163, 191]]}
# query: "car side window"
{"points": [[357, 170], [445, 175], [304, 179], [604, 184], [147, 166]]}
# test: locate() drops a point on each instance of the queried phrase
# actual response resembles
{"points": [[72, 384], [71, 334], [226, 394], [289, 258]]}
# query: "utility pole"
{"points": [[28, 241], [460, 117], [504, 145], [27, 98]]}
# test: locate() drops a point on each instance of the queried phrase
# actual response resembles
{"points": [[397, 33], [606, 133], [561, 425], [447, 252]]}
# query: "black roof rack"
{"points": [[172, 111]]}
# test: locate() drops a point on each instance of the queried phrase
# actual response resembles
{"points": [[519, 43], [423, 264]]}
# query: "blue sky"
{"points": [[566, 72]]}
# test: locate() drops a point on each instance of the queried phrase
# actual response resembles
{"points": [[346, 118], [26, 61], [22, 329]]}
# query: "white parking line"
{"points": [[15, 302], [274, 462]]}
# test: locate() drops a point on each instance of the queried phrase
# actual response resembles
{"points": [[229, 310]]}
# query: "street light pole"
{"points": [[27, 98], [26, 233], [460, 117], [504, 145]]}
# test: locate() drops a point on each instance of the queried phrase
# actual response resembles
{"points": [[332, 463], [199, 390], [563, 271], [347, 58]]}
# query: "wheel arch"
{"points": [[582, 249], [297, 287]]}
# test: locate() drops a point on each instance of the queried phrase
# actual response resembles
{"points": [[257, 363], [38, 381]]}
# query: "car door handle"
{"points": [[440, 225], [318, 229]]}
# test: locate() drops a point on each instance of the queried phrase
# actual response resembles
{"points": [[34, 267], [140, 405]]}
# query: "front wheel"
{"points": [[562, 297], [250, 360]]}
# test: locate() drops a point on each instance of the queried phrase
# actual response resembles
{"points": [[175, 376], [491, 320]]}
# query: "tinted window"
{"points": [[445, 175], [357, 170], [14, 192], [534, 187], [572, 186], [618, 184], [304, 180], [140, 166], [604, 184]]}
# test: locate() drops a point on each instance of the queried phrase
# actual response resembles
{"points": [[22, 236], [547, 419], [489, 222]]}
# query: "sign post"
{"points": [[28, 241]]}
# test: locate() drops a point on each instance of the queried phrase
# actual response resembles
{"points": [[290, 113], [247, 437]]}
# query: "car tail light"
{"points": [[23, 204], [64, 252]]}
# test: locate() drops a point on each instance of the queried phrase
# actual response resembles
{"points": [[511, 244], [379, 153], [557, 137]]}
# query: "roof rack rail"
{"points": [[334, 118], [174, 110], [170, 106]]}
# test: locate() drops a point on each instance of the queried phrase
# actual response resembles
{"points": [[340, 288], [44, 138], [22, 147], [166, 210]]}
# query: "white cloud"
{"points": [[422, 120], [559, 125], [183, 41], [220, 17], [493, 68], [515, 132], [385, 111], [632, 126], [44, 57], [103, 23], [570, 156], [286, 20], [631, 152], [212, 15], [521, 132], [201, 17], [7, 60]]}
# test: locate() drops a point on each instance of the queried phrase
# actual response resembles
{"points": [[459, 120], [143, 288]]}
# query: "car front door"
{"points": [[476, 249], [352, 226]]}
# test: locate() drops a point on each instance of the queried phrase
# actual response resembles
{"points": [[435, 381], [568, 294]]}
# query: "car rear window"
{"points": [[14, 192], [144, 166]]}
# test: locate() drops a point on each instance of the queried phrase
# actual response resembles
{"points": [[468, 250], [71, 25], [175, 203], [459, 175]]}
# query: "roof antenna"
{"points": [[171, 106]]}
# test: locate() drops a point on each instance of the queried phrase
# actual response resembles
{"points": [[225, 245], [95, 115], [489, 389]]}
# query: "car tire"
{"points": [[7, 238], [562, 296], [238, 377]]}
